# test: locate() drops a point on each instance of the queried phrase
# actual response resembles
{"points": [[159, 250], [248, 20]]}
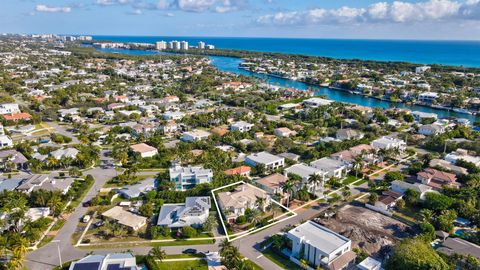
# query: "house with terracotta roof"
{"points": [[242, 170], [17, 116], [437, 179], [220, 131], [144, 150]]}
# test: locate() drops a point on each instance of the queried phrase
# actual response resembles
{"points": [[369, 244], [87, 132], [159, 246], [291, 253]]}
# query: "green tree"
{"points": [[414, 253], [158, 253]]}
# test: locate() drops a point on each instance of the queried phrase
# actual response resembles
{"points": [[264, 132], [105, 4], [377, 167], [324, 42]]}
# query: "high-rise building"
{"points": [[85, 38], [210, 47], [201, 45], [176, 45], [184, 45], [160, 45]]}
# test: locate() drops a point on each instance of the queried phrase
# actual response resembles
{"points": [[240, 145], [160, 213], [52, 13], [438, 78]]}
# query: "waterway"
{"points": [[231, 64]]}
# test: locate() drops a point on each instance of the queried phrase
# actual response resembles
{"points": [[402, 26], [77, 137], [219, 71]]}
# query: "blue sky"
{"points": [[402, 19]]}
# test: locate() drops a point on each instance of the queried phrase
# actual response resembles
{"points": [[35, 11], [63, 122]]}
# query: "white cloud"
{"points": [[195, 5], [51, 9], [396, 12], [112, 2]]}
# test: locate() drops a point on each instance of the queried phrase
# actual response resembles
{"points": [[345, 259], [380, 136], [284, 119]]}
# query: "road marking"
{"points": [[259, 256]]}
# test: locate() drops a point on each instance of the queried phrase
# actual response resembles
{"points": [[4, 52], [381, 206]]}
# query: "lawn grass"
{"points": [[350, 179], [195, 264], [280, 260], [359, 183]]}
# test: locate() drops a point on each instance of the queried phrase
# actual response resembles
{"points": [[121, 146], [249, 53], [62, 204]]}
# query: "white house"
{"points": [[271, 162], [305, 172], [187, 177], [62, 153], [241, 126], [284, 132], [194, 212], [463, 155], [402, 186], [431, 129], [125, 218], [331, 167], [316, 102], [123, 261], [195, 135], [388, 143], [9, 108], [175, 115], [428, 97], [320, 246], [5, 141], [419, 116]]}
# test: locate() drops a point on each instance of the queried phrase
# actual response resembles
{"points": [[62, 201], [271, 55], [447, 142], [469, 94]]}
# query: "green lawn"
{"points": [[350, 179], [360, 183], [280, 260], [197, 264]]}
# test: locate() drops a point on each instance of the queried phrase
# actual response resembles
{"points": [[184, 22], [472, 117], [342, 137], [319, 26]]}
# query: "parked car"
{"points": [[190, 251], [86, 218]]}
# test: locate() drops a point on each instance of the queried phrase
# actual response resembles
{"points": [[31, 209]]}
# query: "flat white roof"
{"points": [[319, 236]]}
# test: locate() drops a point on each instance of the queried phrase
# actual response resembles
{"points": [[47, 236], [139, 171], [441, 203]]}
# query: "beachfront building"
{"points": [[320, 247], [188, 177]]}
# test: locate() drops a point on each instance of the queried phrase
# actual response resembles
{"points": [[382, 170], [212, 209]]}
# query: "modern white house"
{"points": [[5, 142], [462, 154], [241, 126], [188, 177], [271, 162], [234, 204], [331, 167], [388, 143], [320, 247], [316, 102], [123, 261], [194, 212], [431, 129], [173, 115], [419, 116], [428, 97], [402, 186], [195, 135], [9, 108], [144, 150]]}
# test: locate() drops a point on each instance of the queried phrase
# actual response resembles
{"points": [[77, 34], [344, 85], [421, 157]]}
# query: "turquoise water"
{"points": [[459, 53], [231, 64]]}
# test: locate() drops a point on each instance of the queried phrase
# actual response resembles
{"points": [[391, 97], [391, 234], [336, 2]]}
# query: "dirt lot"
{"points": [[369, 230]]}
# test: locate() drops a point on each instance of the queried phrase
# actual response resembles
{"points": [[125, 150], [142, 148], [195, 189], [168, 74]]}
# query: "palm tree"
{"points": [[426, 214], [274, 208], [254, 216], [260, 201], [224, 246], [210, 223], [346, 193], [52, 162], [357, 164], [288, 187], [158, 253], [315, 180]]}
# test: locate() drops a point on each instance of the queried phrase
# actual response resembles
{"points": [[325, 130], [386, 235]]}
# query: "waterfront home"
{"points": [[135, 190], [316, 102], [125, 218], [419, 116], [428, 97], [234, 203], [402, 186], [431, 129], [194, 212], [195, 135], [331, 167], [437, 179], [188, 177], [144, 150], [320, 247], [123, 261], [241, 170], [388, 143], [241, 126], [462, 154], [271, 162]]}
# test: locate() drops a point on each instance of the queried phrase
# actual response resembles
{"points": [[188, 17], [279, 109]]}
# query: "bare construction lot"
{"points": [[368, 230]]}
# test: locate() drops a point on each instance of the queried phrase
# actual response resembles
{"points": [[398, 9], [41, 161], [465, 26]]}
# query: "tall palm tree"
{"points": [[357, 164], [254, 216], [52, 162], [315, 180], [158, 253], [288, 187], [261, 201]]}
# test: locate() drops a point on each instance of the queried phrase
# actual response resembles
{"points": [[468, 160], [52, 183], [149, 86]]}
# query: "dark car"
{"points": [[86, 204], [190, 251]]}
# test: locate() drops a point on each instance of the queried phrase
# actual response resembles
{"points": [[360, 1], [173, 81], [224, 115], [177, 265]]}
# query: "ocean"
{"points": [[457, 53]]}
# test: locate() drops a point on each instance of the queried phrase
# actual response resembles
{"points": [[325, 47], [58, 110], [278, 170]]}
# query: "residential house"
{"points": [[305, 172], [113, 261], [284, 132], [348, 134], [144, 150], [15, 117], [431, 129], [363, 150], [234, 204], [5, 142], [273, 183], [36, 213], [402, 186], [463, 155], [316, 102], [448, 166], [188, 177], [419, 116], [135, 190], [194, 212], [56, 184], [195, 135], [10, 184], [175, 115], [125, 218], [388, 143], [241, 126], [9, 108], [428, 97], [320, 247], [169, 127], [331, 167], [19, 161], [437, 179], [32, 181], [271, 162], [241, 170], [369, 264], [386, 202], [64, 153]]}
